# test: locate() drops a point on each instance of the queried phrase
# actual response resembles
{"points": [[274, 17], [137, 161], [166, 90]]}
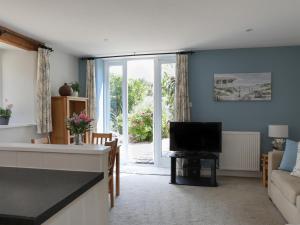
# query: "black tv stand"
{"points": [[194, 180]]}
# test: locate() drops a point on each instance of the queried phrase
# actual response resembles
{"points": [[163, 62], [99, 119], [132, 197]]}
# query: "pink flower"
{"points": [[85, 117], [79, 123], [77, 120]]}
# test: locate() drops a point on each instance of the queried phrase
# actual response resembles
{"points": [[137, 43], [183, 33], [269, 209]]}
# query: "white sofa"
{"points": [[283, 189]]}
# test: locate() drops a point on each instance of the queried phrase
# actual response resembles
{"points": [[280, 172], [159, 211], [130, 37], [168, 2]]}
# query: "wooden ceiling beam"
{"points": [[18, 40]]}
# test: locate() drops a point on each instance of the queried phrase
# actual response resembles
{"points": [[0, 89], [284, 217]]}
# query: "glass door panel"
{"points": [[167, 105], [114, 122], [115, 100], [140, 81]]}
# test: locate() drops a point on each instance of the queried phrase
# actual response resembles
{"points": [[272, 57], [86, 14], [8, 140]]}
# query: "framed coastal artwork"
{"points": [[242, 87]]}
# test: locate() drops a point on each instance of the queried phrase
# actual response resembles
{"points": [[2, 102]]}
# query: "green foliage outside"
{"points": [[140, 125], [138, 89], [140, 106], [165, 125], [168, 94], [115, 84]]}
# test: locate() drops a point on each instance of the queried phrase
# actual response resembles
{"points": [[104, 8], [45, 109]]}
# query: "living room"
{"points": [[197, 101]]}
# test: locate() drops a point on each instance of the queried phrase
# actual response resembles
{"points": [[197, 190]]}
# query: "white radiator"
{"points": [[240, 151]]}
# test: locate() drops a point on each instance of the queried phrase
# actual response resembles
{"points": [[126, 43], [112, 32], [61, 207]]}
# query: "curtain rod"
{"points": [[143, 54], [37, 44], [45, 47]]}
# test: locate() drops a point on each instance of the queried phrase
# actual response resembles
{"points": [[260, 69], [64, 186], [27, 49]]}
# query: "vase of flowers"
{"points": [[78, 125], [78, 139], [5, 113]]}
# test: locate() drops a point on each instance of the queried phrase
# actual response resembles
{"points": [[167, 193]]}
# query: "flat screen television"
{"points": [[196, 137]]}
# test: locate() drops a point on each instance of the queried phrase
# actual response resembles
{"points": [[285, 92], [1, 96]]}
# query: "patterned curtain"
{"points": [[182, 112], [43, 92], [91, 90], [182, 107]]}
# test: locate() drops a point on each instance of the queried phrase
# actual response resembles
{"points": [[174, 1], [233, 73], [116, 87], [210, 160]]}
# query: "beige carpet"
{"points": [[151, 200]]}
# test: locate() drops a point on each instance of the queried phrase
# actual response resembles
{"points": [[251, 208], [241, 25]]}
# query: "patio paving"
{"points": [[143, 153], [144, 169]]}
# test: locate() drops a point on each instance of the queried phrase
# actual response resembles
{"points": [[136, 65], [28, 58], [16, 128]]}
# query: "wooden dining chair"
{"points": [[111, 162], [43, 140], [101, 138]]}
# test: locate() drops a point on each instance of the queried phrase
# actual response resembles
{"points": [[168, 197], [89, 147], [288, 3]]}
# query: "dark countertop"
{"points": [[32, 196]]}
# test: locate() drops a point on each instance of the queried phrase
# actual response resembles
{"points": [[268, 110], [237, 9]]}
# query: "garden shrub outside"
{"points": [[140, 106]]}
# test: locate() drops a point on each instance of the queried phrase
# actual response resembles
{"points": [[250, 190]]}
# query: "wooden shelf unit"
{"points": [[62, 108], [264, 165]]}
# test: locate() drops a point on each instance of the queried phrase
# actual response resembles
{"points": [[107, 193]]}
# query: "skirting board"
{"points": [[233, 173]]}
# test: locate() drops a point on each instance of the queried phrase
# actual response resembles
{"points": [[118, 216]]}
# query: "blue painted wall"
{"points": [[82, 77], [99, 64], [284, 108], [99, 67]]}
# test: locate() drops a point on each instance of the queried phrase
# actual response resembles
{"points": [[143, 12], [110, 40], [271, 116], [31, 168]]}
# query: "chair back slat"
{"points": [[43, 140], [112, 154], [101, 138]]}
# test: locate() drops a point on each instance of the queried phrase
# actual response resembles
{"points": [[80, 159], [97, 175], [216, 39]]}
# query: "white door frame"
{"points": [[157, 113], [159, 160], [123, 64]]}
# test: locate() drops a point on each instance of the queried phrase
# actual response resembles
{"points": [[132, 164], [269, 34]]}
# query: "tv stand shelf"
{"points": [[194, 180]]}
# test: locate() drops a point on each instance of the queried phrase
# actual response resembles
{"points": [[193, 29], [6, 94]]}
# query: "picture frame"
{"points": [[243, 87]]}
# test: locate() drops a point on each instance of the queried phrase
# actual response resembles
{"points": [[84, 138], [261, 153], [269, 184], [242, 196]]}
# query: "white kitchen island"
{"points": [[89, 158]]}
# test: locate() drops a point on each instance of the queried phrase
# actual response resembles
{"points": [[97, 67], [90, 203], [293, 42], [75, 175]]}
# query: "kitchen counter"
{"points": [[56, 148], [92, 207], [32, 196]]}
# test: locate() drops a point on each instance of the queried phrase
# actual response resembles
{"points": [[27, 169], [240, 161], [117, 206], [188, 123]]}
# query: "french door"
{"points": [[165, 105], [139, 103]]}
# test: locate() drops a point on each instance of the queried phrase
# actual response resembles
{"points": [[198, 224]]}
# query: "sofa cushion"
{"points": [[296, 170], [288, 185], [289, 156]]}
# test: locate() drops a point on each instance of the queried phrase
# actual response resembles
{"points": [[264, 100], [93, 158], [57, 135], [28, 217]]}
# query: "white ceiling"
{"points": [[108, 27]]}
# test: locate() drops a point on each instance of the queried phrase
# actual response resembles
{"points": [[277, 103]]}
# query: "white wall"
{"points": [[18, 134], [63, 69], [18, 74]]}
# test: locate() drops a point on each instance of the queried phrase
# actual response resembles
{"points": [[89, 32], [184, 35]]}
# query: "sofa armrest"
{"points": [[274, 160]]}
